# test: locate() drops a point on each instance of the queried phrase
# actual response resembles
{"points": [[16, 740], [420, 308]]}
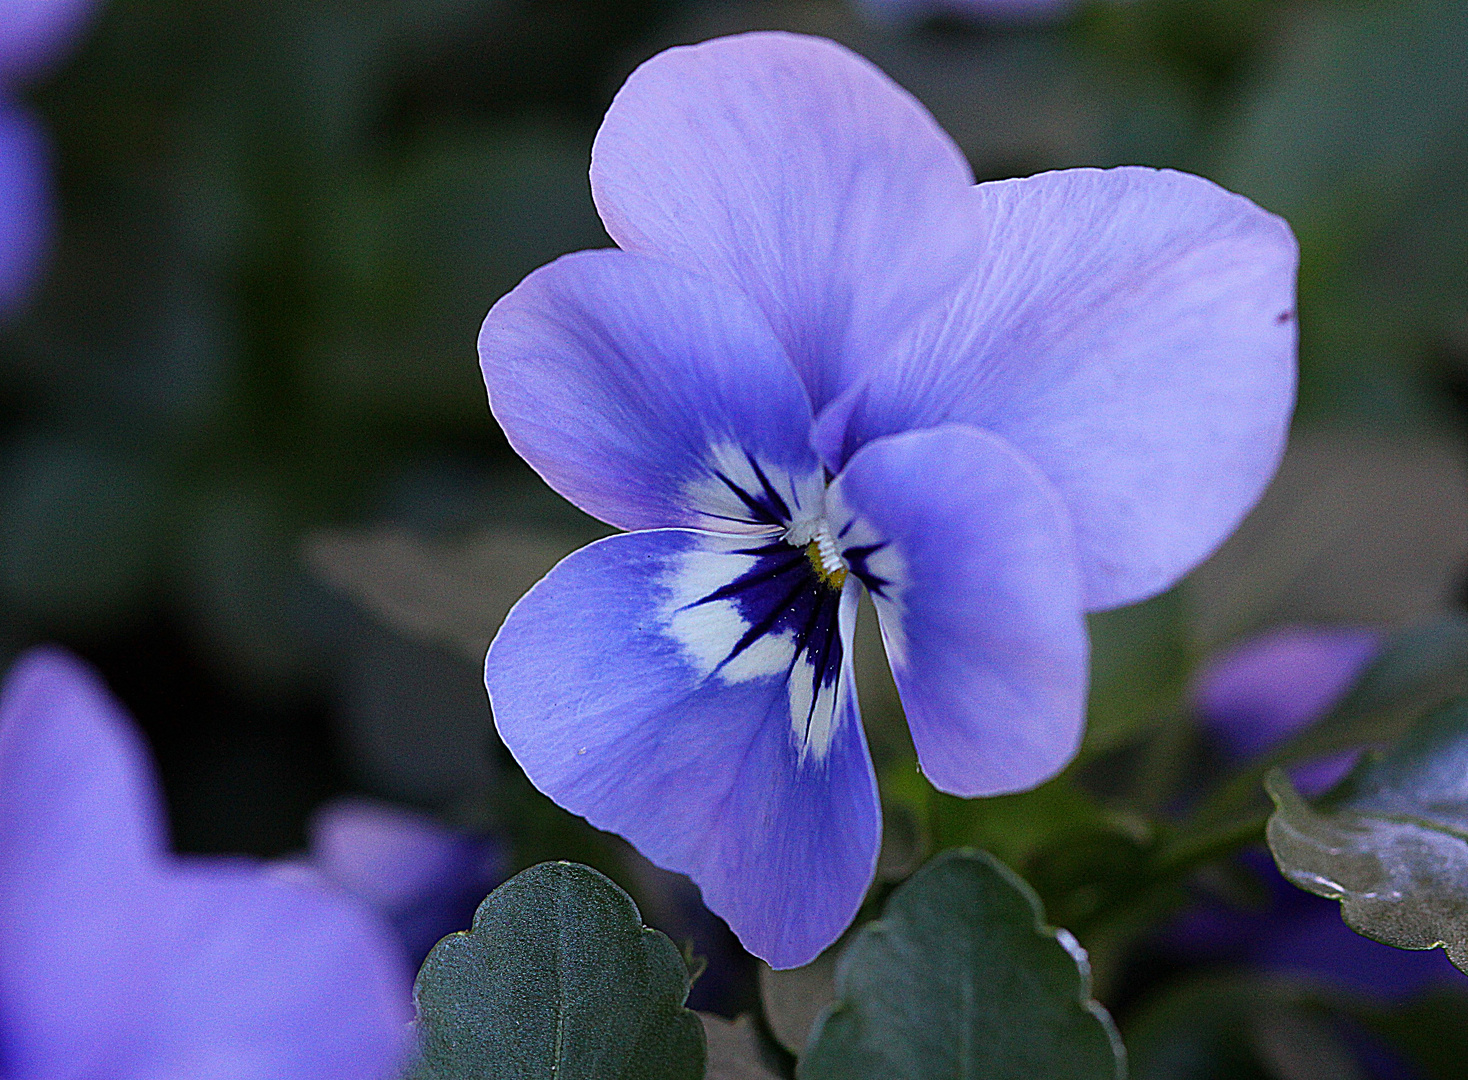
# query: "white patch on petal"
{"points": [[768, 655], [721, 510], [812, 710], [709, 631], [885, 562]]}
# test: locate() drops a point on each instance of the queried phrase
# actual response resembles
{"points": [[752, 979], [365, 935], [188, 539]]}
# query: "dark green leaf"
{"points": [[961, 977], [557, 979], [1392, 844]]}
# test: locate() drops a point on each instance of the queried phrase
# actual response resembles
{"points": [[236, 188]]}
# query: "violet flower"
{"points": [[1258, 693], [33, 33], [120, 960], [823, 361], [1251, 698], [423, 877]]}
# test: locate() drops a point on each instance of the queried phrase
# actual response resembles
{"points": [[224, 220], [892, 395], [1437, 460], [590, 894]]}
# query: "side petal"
{"points": [[80, 830], [967, 552], [118, 960], [1132, 333], [794, 170], [688, 691], [647, 396]]}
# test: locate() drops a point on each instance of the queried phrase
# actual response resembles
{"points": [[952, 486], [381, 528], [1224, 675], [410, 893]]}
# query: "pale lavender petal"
{"points": [[35, 33], [117, 960], [25, 205], [794, 170], [648, 396], [968, 555], [1258, 693], [693, 692], [1132, 333], [426, 879]]}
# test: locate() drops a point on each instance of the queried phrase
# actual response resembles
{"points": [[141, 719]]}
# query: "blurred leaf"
{"points": [[79, 532], [961, 976], [1428, 1029], [793, 999], [735, 1050], [1238, 1028], [904, 844], [1360, 101], [557, 978], [1357, 527], [1392, 843], [452, 592], [1140, 659]]}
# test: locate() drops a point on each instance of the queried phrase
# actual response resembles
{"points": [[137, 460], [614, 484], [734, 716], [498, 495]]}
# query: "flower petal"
{"points": [[117, 960], [794, 170], [968, 555], [25, 205], [693, 693], [1132, 333], [648, 396]]}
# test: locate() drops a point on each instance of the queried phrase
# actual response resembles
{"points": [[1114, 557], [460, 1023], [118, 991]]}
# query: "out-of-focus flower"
{"points": [[426, 879], [824, 360], [33, 33], [1258, 693], [1251, 698], [118, 959]]}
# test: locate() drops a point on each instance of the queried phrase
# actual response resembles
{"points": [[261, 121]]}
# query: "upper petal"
{"points": [[117, 960], [1132, 333], [648, 396], [794, 170], [693, 693], [968, 555]]}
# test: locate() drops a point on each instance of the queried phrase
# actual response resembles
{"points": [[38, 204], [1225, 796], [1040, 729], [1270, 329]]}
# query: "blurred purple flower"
{"points": [[1258, 693], [33, 33], [1251, 698], [425, 879], [822, 360], [120, 960]]}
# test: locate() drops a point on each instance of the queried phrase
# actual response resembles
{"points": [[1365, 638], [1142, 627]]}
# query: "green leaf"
{"points": [[1392, 844], [558, 978], [961, 977]]}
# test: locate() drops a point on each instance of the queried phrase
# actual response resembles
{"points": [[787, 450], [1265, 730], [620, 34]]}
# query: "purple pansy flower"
{"points": [[1258, 693], [823, 361], [425, 879], [1252, 697], [33, 33], [120, 960]]}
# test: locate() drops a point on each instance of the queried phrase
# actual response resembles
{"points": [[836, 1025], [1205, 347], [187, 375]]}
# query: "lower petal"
{"points": [[968, 554], [680, 689]]}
